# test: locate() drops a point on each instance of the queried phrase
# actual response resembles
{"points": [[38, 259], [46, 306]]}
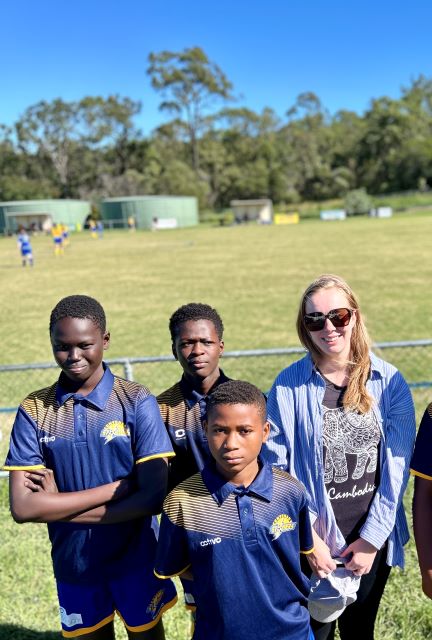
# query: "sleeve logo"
{"points": [[114, 429], [281, 524]]}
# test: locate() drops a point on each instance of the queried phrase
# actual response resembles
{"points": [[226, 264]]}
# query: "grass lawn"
{"points": [[254, 276]]}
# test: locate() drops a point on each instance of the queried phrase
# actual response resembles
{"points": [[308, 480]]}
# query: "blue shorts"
{"points": [[140, 599]]}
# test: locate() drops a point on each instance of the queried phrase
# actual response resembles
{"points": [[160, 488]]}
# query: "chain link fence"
{"points": [[413, 359]]}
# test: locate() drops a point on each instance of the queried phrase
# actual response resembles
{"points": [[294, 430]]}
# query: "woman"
{"points": [[343, 423]]}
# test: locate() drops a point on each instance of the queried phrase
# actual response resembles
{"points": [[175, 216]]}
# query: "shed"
{"points": [[260, 210], [41, 214], [151, 211]]}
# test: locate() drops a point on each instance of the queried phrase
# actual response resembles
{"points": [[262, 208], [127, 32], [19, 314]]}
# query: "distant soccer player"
{"points": [[25, 247], [57, 236], [88, 456], [238, 528]]}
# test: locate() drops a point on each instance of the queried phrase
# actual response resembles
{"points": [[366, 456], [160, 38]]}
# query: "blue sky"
{"points": [[346, 52]]}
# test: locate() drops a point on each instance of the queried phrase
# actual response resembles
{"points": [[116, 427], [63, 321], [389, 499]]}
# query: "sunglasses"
{"points": [[338, 317]]}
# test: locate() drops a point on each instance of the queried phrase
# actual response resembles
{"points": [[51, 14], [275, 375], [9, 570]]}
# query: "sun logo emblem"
{"points": [[114, 429], [281, 524]]}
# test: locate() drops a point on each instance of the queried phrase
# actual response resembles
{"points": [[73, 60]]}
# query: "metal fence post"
{"points": [[128, 370]]}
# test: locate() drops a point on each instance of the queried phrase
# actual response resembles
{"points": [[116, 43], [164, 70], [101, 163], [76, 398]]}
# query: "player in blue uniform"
{"points": [[25, 247], [197, 344], [88, 455], [421, 468], [237, 529]]}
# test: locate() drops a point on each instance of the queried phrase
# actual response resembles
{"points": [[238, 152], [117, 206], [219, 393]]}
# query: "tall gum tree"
{"points": [[190, 84]]}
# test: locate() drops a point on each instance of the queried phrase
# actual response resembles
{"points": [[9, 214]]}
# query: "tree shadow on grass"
{"points": [[13, 632]]}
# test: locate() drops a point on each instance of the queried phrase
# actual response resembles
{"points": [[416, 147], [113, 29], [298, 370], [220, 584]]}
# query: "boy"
{"points": [[196, 341], [25, 247], [421, 468], [239, 527], [88, 456]]}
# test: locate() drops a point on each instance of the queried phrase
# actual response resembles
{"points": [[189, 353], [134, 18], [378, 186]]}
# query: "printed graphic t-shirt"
{"points": [[351, 443]]}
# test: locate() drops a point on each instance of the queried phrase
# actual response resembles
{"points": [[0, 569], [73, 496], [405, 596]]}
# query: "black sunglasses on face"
{"points": [[338, 317]]}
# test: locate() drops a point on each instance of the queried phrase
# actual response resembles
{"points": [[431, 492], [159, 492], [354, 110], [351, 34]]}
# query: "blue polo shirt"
{"points": [[243, 546], [421, 463], [89, 441], [183, 410]]}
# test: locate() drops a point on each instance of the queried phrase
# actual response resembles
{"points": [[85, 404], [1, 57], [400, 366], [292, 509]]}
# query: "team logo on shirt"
{"points": [[154, 603], [281, 524], [114, 429]]}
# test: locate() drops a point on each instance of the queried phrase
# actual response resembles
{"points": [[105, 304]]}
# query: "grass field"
{"points": [[254, 277]]}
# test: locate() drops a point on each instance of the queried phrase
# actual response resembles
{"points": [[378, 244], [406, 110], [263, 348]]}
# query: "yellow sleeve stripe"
{"points": [[29, 468], [172, 575], [413, 472], [307, 552], [167, 454]]}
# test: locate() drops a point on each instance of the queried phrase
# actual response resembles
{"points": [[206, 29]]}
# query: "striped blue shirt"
{"points": [[295, 412]]}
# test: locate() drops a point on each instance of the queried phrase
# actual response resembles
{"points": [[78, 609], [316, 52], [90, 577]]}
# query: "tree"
{"points": [[109, 122], [50, 128], [190, 84]]}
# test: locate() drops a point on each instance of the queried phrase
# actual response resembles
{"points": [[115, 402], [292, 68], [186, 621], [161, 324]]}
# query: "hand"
{"points": [[363, 555], [320, 560], [41, 480]]}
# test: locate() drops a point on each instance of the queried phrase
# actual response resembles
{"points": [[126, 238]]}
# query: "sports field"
{"points": [[254, 277]]}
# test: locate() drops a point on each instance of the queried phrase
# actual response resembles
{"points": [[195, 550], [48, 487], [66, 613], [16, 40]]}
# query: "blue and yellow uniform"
{"points": [[183, 411], [421, 463], [243, 547], [89, 441], [57, 235]]}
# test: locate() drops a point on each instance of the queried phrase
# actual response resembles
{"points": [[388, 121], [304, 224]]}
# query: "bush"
{"points": [[357, 201]]}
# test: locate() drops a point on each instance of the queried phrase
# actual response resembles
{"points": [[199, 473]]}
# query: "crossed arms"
{"points": [[34, 496]]}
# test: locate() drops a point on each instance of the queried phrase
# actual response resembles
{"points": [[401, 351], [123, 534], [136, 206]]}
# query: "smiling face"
{"points": [[198, 348], [235, 434], [78, 345], [332, 342]]}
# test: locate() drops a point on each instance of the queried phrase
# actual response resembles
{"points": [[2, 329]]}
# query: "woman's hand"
{"points": [[320, 560], [40, 480], [363, 556]]}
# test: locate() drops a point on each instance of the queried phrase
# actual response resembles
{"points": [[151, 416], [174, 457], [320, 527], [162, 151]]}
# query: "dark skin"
{"points": [[422, 520], [78, 347], [197, 347]]}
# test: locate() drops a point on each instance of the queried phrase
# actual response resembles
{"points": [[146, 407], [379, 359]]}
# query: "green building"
{"points": [[151, 212], [41, 214]]}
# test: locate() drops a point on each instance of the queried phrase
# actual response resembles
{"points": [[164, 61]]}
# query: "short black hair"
{"points": [[78, 306], [195, 311], [238, 392]]}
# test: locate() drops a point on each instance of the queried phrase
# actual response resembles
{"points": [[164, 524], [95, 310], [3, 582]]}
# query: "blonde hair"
{"points": [[356, 397]]}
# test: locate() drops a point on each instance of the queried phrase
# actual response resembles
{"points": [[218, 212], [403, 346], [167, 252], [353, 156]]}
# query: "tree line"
{"points": [[214, 148]]}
